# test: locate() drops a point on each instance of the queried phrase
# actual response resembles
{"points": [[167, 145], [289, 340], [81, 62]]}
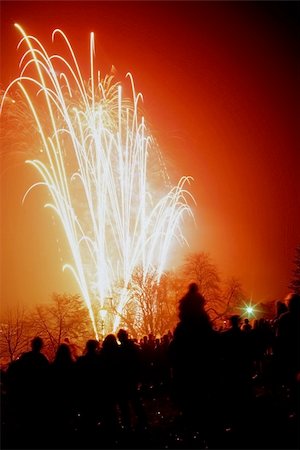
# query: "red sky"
{"points": [[221, 93]]}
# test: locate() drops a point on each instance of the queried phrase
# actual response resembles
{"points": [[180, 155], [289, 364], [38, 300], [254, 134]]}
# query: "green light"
{"points": [[249, 310]]}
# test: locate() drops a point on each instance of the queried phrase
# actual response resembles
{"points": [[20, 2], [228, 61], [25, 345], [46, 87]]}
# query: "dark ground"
{"points": [[267, 422]]}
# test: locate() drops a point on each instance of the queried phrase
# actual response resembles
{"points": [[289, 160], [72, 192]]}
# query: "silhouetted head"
{"points": [[165, 339], [92, 345], [293, 302], [37, 344], [122, 335], [246, 321], [110, 342], [151, 337], [191, 306], [63, 354], [280, 308], [235, 320], [193, 287]]}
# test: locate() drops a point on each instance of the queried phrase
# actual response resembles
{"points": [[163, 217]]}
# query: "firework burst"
{"points": [[94, 153]]}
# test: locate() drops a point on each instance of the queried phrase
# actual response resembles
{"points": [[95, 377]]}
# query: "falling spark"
{"points": [[94, 158]]}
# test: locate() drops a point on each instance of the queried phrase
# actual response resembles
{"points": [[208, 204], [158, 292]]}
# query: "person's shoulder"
{"points": [[44, 358], [40, 359], [80, 360], [25, 356], [225, 332], [184, 299], [284, 318], [133, 347]]}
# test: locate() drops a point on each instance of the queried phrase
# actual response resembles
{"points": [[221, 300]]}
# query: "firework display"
{"points": [[103, 171]]}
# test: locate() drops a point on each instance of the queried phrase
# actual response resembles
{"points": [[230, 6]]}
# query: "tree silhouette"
{"points": [[65, 317], [295, 282], [14, 333], [221, 295], [232, 295], [152, 308], [198, 267]]}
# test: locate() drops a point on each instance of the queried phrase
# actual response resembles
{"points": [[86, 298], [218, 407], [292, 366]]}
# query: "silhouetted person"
{"points": [[262, 338], [129, 378], [193, 358], [281, 308], [88, 376], [191, 307], [74, 349], [63, 391], [110, 384], [247, 327], [288, 338], [236, 368], [147, 346], [33, 380], [162, 364]]}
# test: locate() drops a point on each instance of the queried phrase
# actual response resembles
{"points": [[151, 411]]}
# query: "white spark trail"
{"points": [[96, 150]]}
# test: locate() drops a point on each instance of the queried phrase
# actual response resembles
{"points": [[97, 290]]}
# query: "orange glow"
{"points": [[221, 96], [94, 158]]}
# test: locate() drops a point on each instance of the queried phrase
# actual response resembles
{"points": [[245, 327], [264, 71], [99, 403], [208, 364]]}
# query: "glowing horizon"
{"points": [[94, 163]]}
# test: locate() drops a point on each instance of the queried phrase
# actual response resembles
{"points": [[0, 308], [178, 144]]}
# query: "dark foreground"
{"points": [[268, 421]]}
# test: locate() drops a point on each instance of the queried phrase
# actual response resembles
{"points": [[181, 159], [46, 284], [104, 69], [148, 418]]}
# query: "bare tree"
{"points": [[152, 307], [232, 295], [172, 288], [127, 316], [65, 317], [223, 297], [144, 300], [14, 334], [198, 267]]}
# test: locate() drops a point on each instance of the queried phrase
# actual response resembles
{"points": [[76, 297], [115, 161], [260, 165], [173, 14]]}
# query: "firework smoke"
{"points": [[94, 160]]}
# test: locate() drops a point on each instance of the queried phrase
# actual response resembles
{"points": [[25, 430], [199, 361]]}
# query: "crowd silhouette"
{"points": [[197, 387]]}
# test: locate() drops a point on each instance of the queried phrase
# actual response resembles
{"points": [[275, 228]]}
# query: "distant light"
{"points": [[249, 309]]}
